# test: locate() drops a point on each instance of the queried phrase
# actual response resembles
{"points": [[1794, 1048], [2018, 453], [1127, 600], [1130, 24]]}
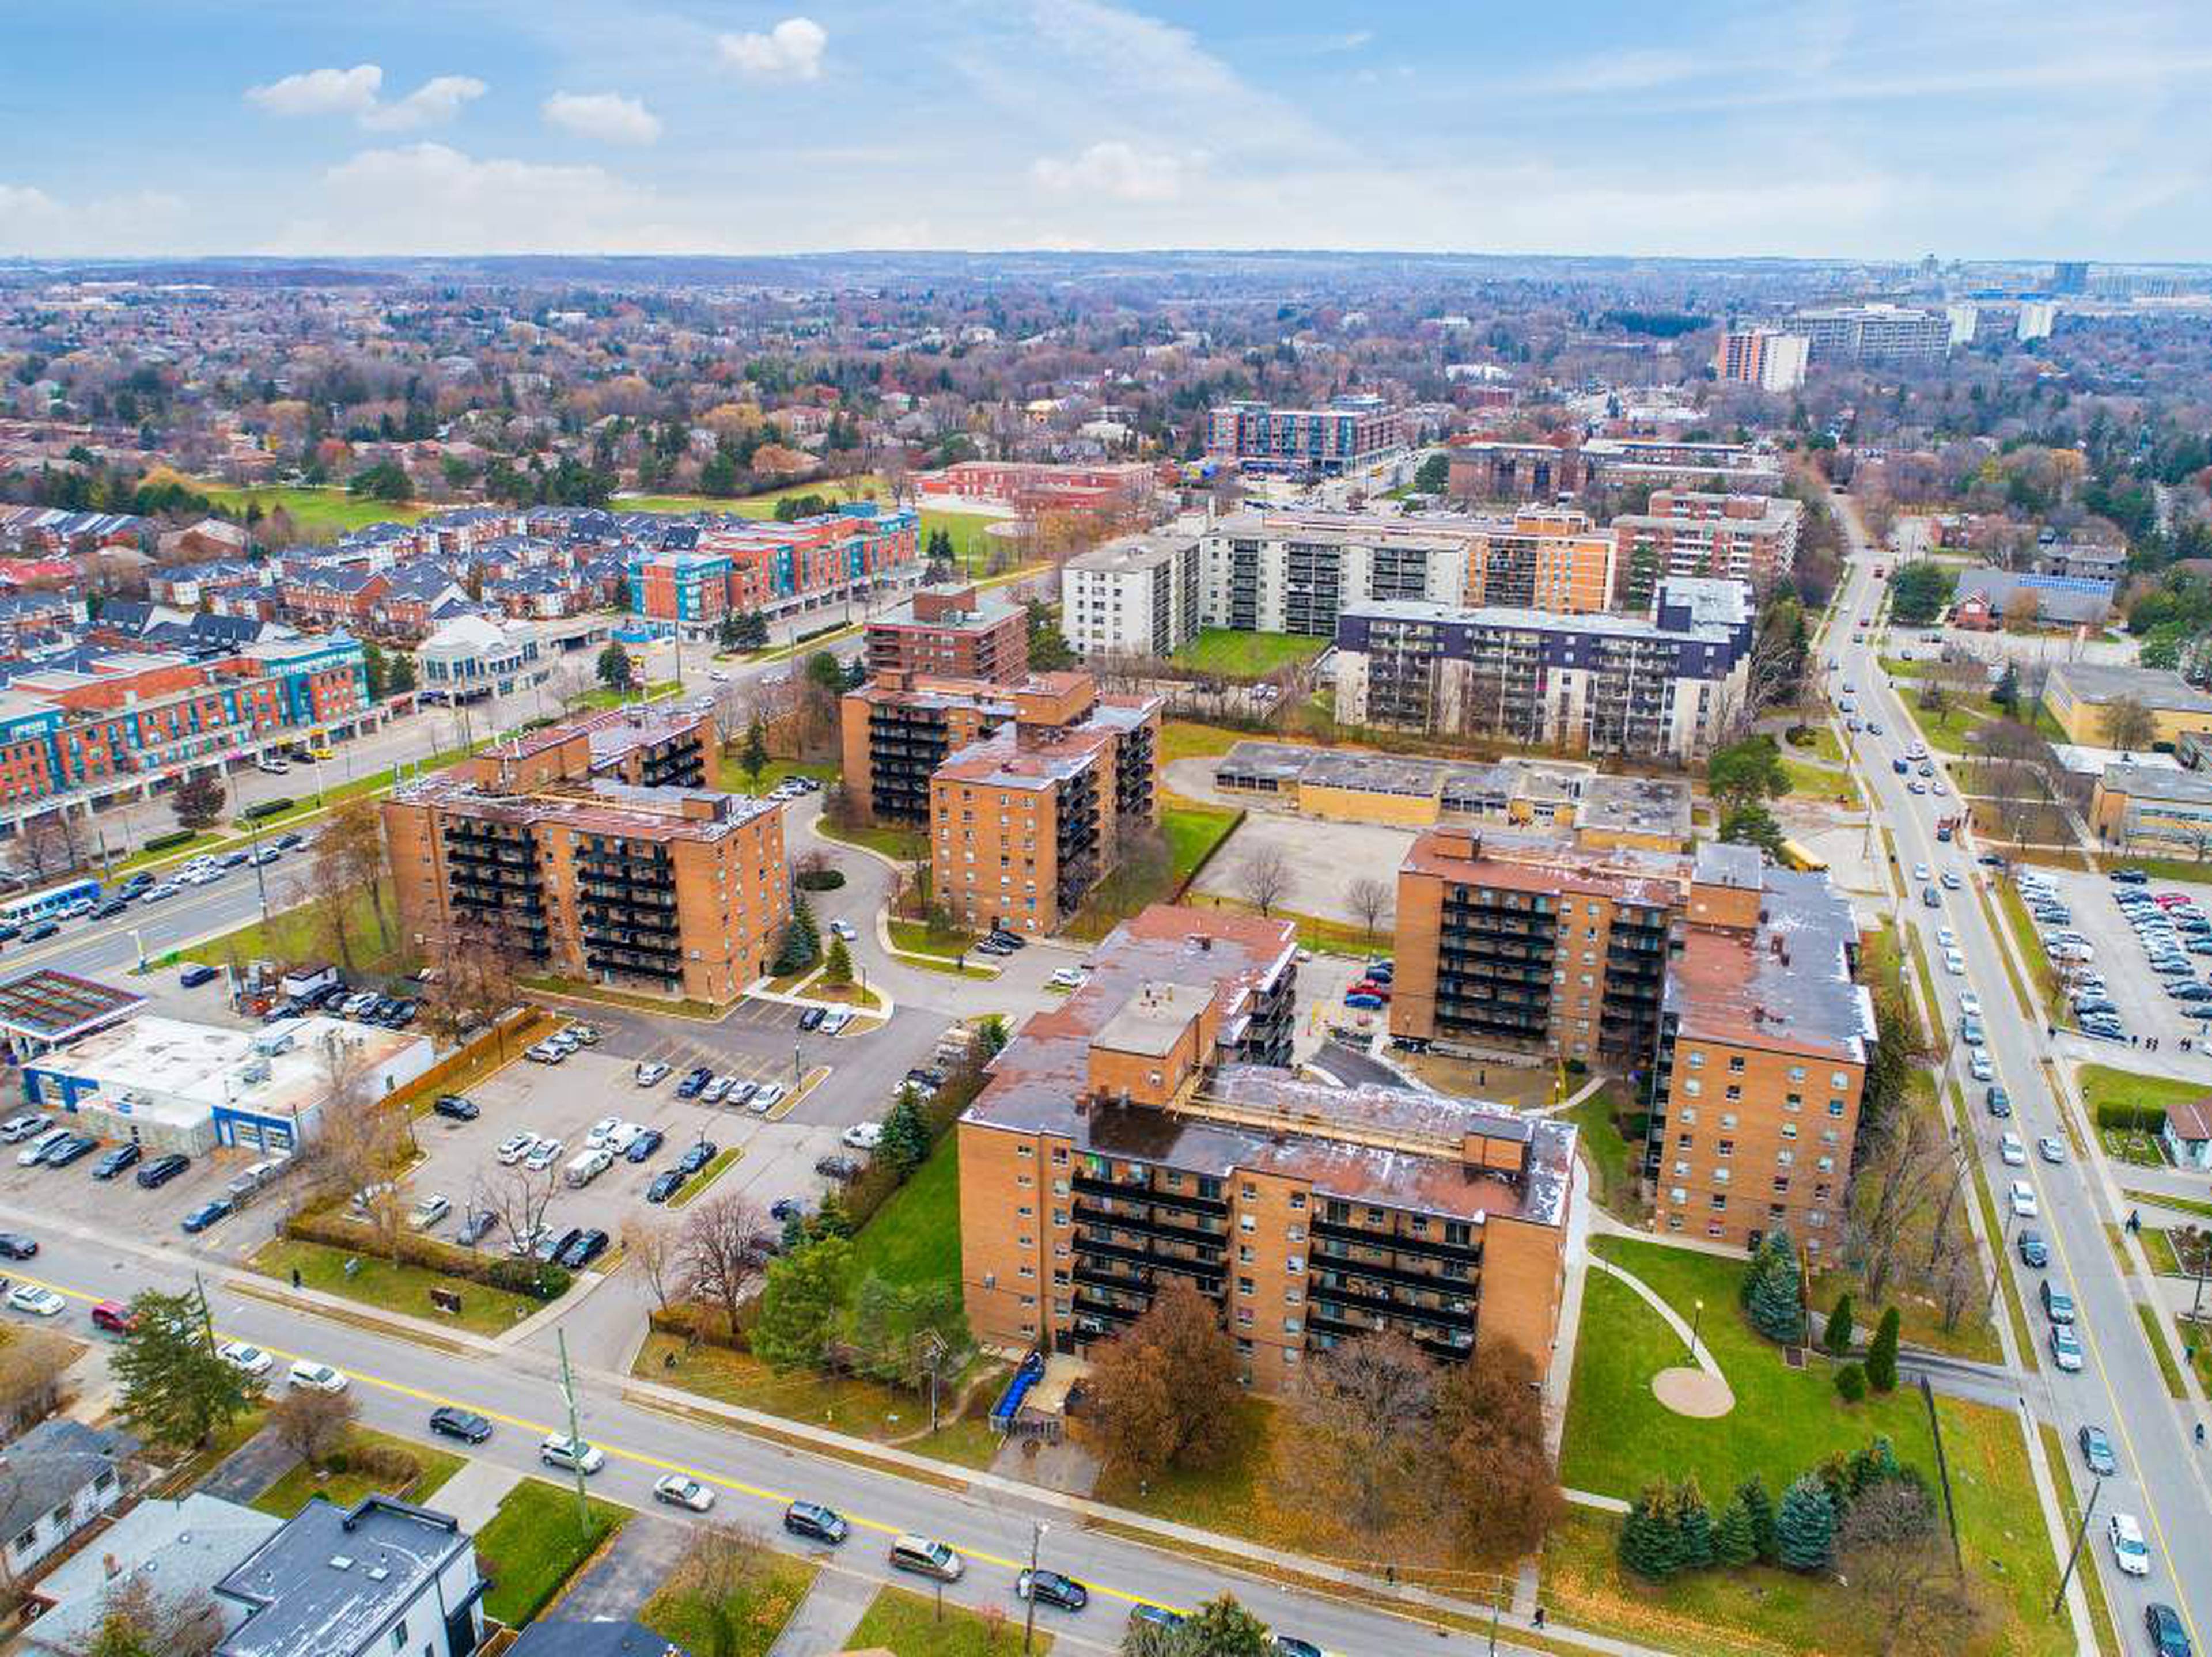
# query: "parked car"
{"points": [[1049, 1587], [76, 1145], [114, 1317], [765, 1098], [2065, 1349], [811, 1018], [428, 1212], [516, 1146], [454, 1107], [925, 1556], [2130, 1552], [681, 1491], [835, 1020], [479, 1225], [817, 1523], [666, 1184], [15, 1246], [246, 1360], [2167, 1637], [2000, 1101], [697, 1155], [38, 1302], [2096, 1452], [206, 1216], [162, 1169], [587, 1247], [863, 1136], [571, 1455], [196, 975], [317, 1377], [838, 1168], [641, 1148], [694, 1082]]}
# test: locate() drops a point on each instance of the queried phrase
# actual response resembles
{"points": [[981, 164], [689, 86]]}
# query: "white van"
{"points": [[584, 1168]]}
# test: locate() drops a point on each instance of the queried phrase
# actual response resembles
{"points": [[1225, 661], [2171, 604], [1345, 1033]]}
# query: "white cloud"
{"points": [[358, 91], [321, 92], [606, 116], [792, 50], [39, 226], [1116, 169]]}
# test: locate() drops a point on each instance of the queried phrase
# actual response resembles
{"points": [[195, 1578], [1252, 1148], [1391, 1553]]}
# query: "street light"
{"points": [[1697, 1321]]}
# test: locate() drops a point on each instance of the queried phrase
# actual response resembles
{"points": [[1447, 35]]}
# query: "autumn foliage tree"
{"points": [[1164, 1393]]}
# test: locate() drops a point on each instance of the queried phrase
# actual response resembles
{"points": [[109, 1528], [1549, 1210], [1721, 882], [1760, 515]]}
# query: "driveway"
{"points": [[624, 1577], [250, 1468]]}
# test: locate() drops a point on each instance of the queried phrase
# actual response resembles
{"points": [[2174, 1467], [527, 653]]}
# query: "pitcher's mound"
{"points": [[1690, 1392]]}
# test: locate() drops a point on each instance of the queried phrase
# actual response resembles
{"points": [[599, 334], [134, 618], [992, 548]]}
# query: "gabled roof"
{"points": [[51, 1463]]}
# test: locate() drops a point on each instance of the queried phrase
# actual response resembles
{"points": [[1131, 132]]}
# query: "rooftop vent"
{"points": [[341, 1562]]}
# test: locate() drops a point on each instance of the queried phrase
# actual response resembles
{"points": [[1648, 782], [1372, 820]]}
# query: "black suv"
{"points": [[464, 1424], [812, 1519], [162, 1169], [459, 1109], [116, 1161], [584, 1248], [695, 1156], [1049, 1587]]}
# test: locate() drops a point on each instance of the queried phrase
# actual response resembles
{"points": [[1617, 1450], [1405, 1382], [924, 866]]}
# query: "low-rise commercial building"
{"points": [[958, 631], [1038, 486], [1662, 686], [1987, 599], [1751, 538], [478, 656], [1136, 596], [699, 574], [1023, 823], [593, 851], [2077, 693], [1149, 1129], [2155, 809]]}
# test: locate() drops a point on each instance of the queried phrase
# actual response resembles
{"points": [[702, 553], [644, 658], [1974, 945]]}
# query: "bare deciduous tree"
{"points": [[520, 1195], [2125, 723], [715, 1260], [1904, 1167], [311, 1422], [1902, 1575], [1265, 877], [1371, 899], [721, 1566], [650, 1245], [31, 1367], [140, 1610]]}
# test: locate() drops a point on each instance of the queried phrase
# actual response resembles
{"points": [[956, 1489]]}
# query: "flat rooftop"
{"points": [[2162, 783], [2158, 688], [596, 805], [1787, 986], [1644, 805], [333, 1577], [1534, 621], [154, 1062], [46, 1005], [1653, 878]]}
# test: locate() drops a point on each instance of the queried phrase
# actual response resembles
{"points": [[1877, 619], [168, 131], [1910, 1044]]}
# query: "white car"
{"points": [[2050, 1150], [515, 1147], [717, 1090], [1954, 963], [2129, 1552], [679, 1491], [1946, 938], [624, 1135], [571, 1455], [543, 1155], [863, 1136], [1970, 1003], [844, 930], [320, 1376], [246, 1360], [1066, 978], [1979, 1067], [428, 1212], [35, 1152], [2023, 1201], [1921, 871], [602, 1130], [38, 1302], [766, 1100], [834, 1022], [648, 1076], [2012, 1151]]}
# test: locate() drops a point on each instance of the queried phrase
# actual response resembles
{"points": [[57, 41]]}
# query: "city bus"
{"points": [[1797, 857], [52, 904]]}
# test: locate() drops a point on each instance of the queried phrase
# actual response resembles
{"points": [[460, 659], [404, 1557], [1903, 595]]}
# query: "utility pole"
{"points": [[576, 1435], [2073, 1554], [1037, 1528], [207, 1317]]}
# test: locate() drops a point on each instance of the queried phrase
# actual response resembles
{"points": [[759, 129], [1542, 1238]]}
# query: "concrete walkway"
{"points": [[1694, 1346], [473, 1495], [832, 1608]]}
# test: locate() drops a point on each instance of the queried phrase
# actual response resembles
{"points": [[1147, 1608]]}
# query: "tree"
{"points": [[751, 631], [1918, 593], [2126, 723], [1776, 1307], [1805, 1526], [1650, 1544], [1882, 1354], [800, 946], [837, 965], [651, 1246], [725, 632], [1735, 1543], [899, 1332], [2007, 693], [1746, 772], [140, 1617], [714, 1580], [715, 1258], [614, 669], [1504, 1491], [1434, 476], [1850, 1382], [1165, 1391], [1370, 899], [1049, 651], [352, 841], [1905, 1582], [1693, 1525], [32, 1364], [520, 1195], [198, 799], [753, 758], [401, 677], [375, 669], [1752, 824], [172, 1388], [1222, 1628], [825, 672], [1265, 876], [798, 1308], [311, 1422], [1758, 1506], [1836, 1336], [1355, 1444], [905, 1143]]}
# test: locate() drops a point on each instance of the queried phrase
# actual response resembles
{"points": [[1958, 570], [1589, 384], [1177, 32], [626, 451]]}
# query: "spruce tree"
{"points": [[1850, 1383], [837, 969], [1735, 1542], [1759, 1506], [1882, 1354], [1777, 1311], [1836, 1338], [1648, 1538], [1805, 1526], [1754, 1274], [1693, 1525], [906, 1132]]}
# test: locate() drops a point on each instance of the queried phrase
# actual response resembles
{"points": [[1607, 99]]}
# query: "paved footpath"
{"points": [[831, 1610]]}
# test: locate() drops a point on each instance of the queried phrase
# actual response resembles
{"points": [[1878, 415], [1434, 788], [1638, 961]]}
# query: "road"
{"points": [[2161, 1478], [398, 1382]]}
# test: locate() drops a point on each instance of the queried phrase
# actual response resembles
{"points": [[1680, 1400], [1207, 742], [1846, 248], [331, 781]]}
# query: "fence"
{"points": [[509, 1034]]}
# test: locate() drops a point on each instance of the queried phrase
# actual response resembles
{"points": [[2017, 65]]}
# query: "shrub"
{"points": [[820, 880], [496, 1271], [388, 1464], [705, 1324], [268, 808], [175, 837], [1852, 1383], [2122, 1119], [1835, 1338]]}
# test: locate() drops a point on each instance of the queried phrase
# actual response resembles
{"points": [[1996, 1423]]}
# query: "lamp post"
{"points": [[1697, 1321]]}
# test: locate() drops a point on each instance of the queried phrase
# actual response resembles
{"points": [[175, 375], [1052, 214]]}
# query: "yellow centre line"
{"points": [[638, 1457]]}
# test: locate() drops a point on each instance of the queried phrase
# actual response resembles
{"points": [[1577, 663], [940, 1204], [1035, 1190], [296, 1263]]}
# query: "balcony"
{"points": [[1326, 1262], [1467, 1254], [1089, 1214], [1387, 1306], [1091, 1185]]}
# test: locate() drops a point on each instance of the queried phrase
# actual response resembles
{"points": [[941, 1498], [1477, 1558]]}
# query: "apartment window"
{"points": [[1736, 1064], [1298, 1200], [1693, 1087], [1247, 1223], [1720, 1176], [1688, 1113], [1697, 1059], [1293, 1326], [1789, 1130], [1293, 1264], [1734, 1092], [1835, 1108], [1725, 1147], [1796, 1072], [1718, 1201], [1682, 1141], [1243, 1285], [399, 1637], [1781, 1184], [1682, 1169], [1838, 1079], [1244, 1317], [1728, 1120], [1678, 1194]]}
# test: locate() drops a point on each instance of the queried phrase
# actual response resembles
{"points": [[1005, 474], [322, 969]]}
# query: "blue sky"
{"points": [[1975, 128]]}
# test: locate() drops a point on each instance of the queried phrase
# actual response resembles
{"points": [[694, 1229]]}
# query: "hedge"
{"points": [[268, 808], [2129, 1118], [502, 1271], [703, 1324], [175, 837], [820, 880]]}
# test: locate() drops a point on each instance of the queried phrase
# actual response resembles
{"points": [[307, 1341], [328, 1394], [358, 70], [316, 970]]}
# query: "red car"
{"points": [[1369, 987], [114, 1317]]}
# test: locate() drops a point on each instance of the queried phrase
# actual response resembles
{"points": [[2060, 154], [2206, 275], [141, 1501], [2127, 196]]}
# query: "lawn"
{"points": [[1613, 1160], [2120, 1095], [910, 1625], [2169, 1371], [899, 843], [1619, 1437], [705, 1177], [2040, 974], [1193, 832], [290, 1493], [730, 776], [1186, 739], [1238, 655], [1816, 782], [763, 1604], [319, 514], [973, 543], [1223, 1498], [914, 1237], [863, 1409], [530, 1546], [920, 937], [380, 1283], [292, 936], [762, 505]]}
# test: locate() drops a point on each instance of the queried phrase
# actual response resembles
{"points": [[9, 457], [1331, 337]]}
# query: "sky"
{"points": [[1973, 128]]}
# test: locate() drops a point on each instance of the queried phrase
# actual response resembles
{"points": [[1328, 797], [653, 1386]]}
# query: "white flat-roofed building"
{"points": [[1136, 596]]}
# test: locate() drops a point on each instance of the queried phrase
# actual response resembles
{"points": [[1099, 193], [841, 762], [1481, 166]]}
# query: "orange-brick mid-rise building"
{"points": [[1025, 822], [1744, 537], [1149, 1129], [959, 632], [590, 850]]}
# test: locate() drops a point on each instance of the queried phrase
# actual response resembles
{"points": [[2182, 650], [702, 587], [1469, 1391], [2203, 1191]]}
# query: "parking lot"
{"points": [[71, 1195], [2145, 1011]]}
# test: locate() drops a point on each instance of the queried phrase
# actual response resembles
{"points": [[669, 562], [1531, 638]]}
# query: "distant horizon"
{"points": [[755, 129]]}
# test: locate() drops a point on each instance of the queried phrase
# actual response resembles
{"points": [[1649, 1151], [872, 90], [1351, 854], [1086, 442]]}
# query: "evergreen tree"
{"points": [[1805, 1526], [1881, 1354], [753, 758], [906, 1132], [1693, 1525], [1850, 1383], [1648, 1542], [1758, 1506], [1835, 1338], [614, 667], [2007, 694], [837, 966], [171, 1387], [1754, 1273], [1735, 1542], [725, 635], [752, 631], [1777, 1310], [800, 946]]}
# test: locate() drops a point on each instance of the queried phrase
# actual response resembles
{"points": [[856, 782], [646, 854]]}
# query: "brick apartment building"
{"points": [[1552, 560], [1351, 432], [700, 574], [957, 632], [1740, 538], [591, 851], [1763, 1043], [1484, 470], [895, 731], [1764, 357], [1025, 821], [1149, 1129], [1040, 485], [1620, 684]]}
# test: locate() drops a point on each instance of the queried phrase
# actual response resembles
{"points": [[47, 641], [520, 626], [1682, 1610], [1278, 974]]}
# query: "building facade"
{"points": [[1877, 333], [1350, 432], [592, 852], [1040, 485], [1662, 686], [1751, 538], [1137, 596], [2153, 809], [1483, 469], [2078, 693], [1764, 357], [895, 731], [1149, 1129], [773, 568], [958, 632]]}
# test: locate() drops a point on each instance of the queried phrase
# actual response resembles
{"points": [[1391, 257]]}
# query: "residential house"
{"points": [[417, 596], [2188, 1134], [379, 1579], [61, 1477], [570, 1637], [174, 1552]]}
